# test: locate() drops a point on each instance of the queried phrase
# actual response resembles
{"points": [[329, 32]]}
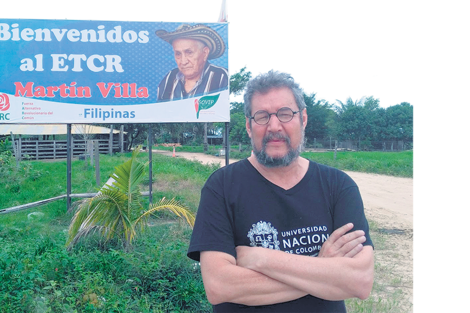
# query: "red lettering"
{"points": [[20, 90], [143, 92], [134, 90], [40, 92], [117, 91], [125, 90], [51, 90], [63, 91], [84, 92], [105, 91], [72, 89]]}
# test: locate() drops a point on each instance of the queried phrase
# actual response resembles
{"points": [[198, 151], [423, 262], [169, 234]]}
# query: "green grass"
{"points": [[387, 295], [37, 273], [385, 163], [50, 177]]}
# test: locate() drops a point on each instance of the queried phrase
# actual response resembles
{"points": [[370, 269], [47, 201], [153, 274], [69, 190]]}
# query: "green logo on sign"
{"points": [[205, 103]]}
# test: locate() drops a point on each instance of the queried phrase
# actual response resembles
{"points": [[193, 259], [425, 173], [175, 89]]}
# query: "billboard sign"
{"points": [[63, 71]]}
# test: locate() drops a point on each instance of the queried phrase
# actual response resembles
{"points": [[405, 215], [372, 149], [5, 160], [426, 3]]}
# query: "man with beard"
{"points": [[277, 232]]}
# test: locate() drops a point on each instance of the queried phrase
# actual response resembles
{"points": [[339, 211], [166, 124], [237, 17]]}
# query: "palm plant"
{"points": [[116, 211]]}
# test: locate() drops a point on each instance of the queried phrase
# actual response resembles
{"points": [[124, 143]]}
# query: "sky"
{"points": [[335, 49]]}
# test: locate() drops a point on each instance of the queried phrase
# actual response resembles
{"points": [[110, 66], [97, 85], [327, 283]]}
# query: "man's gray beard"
{"points": [[268, 161]]}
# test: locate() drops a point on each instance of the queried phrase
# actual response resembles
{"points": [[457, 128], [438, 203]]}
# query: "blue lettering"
{"points": [[5, 117], [98, 113]]}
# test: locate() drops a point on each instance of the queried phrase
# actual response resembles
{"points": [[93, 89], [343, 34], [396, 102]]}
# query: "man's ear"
{"points": [[248, 126], [304, 117], [206, 51]]}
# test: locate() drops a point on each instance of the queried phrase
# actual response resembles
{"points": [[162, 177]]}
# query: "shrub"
{"points": [[116, 212]]}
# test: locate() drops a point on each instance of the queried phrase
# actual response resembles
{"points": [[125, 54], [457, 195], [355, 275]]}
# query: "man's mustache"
{"points": [[277, 136]]}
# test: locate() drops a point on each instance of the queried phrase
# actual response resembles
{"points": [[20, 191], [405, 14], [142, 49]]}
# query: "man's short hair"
{"points": [[263, 83]]}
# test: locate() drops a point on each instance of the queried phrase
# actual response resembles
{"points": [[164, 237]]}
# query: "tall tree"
{"points": [[238, 81], [356, 120], [237, 131], [320, 117], [399, 121], [343, 106]]}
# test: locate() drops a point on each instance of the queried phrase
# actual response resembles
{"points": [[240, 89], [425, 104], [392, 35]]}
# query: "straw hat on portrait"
{"points": [[200, 32]]}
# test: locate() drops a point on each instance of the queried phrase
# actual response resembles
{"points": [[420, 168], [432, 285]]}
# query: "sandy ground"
{"points": [[388, 202]]}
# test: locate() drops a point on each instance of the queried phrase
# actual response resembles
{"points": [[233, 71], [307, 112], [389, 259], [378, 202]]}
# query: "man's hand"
{"points": [[344, 268], [340, 244]]}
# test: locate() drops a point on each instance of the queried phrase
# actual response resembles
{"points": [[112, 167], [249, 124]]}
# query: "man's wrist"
{"points": [[264, 257]]}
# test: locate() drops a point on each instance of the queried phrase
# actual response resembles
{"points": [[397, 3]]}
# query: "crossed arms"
{"points": [[343, 269]]}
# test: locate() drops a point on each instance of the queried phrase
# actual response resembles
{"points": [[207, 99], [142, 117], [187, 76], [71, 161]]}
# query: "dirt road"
{"points": [[387, 198]]}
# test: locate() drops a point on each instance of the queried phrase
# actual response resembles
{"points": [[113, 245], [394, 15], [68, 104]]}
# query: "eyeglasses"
{"points": [[284, 115]]}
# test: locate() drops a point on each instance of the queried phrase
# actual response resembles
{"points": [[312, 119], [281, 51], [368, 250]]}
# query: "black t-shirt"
{"points": [[240, 207]]}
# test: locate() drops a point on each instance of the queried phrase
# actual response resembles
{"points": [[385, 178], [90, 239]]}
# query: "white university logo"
{"points": [[262, 234]]}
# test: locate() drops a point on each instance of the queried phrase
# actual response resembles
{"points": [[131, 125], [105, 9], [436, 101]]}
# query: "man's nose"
{"points": [[184, 59], [274, 124]]}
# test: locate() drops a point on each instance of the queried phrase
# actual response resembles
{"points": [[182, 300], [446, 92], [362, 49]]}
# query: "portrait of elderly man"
{"points": [[193, 46]]}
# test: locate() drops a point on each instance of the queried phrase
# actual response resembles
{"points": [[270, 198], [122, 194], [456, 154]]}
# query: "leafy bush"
{"points": [[5, 146], [13, 176], [116, 212], [38, 274]]}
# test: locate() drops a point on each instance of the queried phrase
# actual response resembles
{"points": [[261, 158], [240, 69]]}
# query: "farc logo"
{"points": [[4, 102], [4, 106], [205, 103]]}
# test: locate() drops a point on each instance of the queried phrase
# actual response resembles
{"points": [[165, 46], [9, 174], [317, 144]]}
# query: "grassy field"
{"points": [[385, 163], [37, 273]]}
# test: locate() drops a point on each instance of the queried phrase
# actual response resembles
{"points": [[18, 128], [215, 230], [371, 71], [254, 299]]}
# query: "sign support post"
{"points": [[69, 164], [150, 145], [227, 144]]}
